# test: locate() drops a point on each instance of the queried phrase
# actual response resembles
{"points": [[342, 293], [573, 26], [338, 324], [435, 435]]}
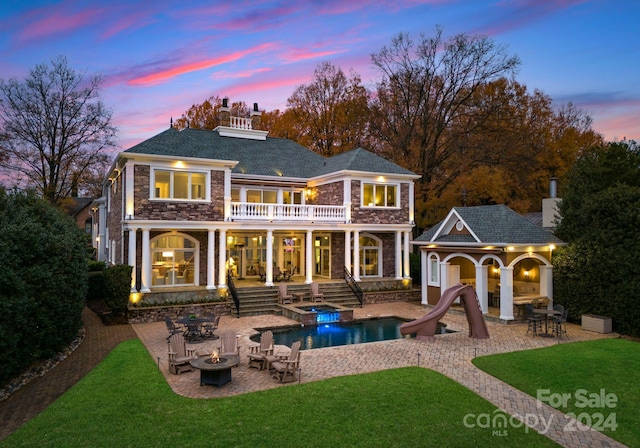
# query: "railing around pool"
{"points": [[256, 211]]}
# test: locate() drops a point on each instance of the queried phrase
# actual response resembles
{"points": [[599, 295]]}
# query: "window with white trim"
{"points": [[433, 270], [179, 185], [380, 195]]}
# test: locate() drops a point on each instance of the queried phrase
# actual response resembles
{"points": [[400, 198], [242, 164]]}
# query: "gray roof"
{"points": [[271, 157], [493, 225]]}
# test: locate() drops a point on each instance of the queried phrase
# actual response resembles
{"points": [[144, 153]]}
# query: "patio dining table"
{"points": [[193, 324], [546, 312]]}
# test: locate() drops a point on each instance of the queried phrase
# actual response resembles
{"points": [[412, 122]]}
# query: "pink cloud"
{"points": [[56, 22], [243, 74], [163, 75]]}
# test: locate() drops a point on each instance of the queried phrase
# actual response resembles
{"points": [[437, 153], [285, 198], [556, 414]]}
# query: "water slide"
{"points": [[425, 327]]}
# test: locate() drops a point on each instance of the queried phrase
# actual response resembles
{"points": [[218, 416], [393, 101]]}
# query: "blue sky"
{"points": [[159, 57]]}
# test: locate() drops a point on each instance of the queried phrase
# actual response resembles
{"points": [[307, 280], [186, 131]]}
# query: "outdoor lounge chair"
{"points": [[229, 344], [286, 369], [316, 295], [257, 359], [283, 296], [179, 355]]}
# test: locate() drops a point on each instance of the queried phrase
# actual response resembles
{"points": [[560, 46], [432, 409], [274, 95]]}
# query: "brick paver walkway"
{"points": [[34, 397], [451, 355]]}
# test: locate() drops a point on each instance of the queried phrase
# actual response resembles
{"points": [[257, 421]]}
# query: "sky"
{"points": [[159, 57]]}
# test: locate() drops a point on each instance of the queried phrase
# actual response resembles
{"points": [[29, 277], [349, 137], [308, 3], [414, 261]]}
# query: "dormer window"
{"points": [[380, 195]]}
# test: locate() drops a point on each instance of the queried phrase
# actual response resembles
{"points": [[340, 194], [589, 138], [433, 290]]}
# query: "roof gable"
{"points": [[487, 225]]}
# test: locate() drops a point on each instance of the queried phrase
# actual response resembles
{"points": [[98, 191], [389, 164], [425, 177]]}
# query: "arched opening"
{"points": [[174, 257]]}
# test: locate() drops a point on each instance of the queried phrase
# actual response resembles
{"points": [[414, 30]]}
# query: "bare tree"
{"points": [[330, 114], [425, 95], [54, 128]]}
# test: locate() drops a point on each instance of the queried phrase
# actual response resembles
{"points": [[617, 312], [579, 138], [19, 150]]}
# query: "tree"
{"points": [[54, 126], [598, 271], [207, 114], [425, 95], [330, 114]]}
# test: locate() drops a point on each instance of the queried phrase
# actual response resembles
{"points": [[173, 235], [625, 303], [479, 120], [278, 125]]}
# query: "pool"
{"points": [[334, 334]]}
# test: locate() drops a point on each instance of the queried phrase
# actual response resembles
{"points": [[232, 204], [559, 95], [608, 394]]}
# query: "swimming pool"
{"points": [[334, 334]]}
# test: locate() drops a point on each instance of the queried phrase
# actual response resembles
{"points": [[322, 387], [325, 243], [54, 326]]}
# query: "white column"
{"points": [[346, 201], [211, 259], [424, 267], [546, 283], [269, 266], [406, 259], [146, 262], [347, 249], [132, 258], [398, 249], [222, 258], [506, 293], [356, 255], [481, 287], [309, 257]]}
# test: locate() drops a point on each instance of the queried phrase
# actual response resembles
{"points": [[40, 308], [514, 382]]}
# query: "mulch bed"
{"points": [[104, 313]]}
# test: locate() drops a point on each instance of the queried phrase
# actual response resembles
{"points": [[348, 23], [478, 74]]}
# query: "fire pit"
{"points": [[215, 371]]}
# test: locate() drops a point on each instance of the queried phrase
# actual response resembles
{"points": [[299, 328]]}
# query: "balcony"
{"points": [[251, 211]]}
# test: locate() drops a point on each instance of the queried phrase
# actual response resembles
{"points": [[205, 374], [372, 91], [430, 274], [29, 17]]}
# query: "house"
{"points": [[505, 256], [186, 207]]}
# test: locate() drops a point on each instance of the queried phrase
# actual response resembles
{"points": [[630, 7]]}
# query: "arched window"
{"points": [[370, 256], [433, 270], [174, 258]]}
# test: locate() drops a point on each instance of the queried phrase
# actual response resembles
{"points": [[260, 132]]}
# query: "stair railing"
{"points": [[357, 291], [234, 293]]}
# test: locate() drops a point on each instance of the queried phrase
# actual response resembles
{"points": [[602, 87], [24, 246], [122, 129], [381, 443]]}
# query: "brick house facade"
{"points": [[186, 207]]}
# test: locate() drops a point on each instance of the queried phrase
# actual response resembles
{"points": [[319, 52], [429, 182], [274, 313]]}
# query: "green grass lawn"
{"points": [[585, 372], [126, 402]]}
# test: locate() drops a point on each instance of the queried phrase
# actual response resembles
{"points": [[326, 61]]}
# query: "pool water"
{"points": [[334, 334]]}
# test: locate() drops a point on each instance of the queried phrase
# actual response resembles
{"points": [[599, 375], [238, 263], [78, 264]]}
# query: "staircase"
{"points": [[255, 301]]}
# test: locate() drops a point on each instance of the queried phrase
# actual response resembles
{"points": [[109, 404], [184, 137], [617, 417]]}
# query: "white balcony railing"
{"points": [[251, 211]]}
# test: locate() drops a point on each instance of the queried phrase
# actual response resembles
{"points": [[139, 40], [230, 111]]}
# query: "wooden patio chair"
{"points": [[179, 354], [229, 344], [257, 359], [286, 369], [283, 296], [316, 295]]}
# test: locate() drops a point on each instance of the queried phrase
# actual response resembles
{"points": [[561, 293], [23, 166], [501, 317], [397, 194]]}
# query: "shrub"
{"points": [[117, 287], [43, 282]]}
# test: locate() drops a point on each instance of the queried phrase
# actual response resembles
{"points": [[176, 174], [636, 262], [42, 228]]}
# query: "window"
{"points": [[180, 185], [174, 260], [376, 195], [433, 267], [292, 197], [262, 196]]}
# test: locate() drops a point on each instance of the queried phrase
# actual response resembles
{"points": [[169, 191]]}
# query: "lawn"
{"points": [[125, 401], [597, 381]]}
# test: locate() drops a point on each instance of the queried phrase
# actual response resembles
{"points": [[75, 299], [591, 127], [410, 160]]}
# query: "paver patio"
{"points": [[450, 355]]}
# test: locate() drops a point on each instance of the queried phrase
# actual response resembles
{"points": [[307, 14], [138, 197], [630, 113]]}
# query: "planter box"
{"points": [[595, 323]]}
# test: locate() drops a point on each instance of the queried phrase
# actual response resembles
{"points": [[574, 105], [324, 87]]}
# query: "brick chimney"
{"points": [[256, 117], [224, 114]]}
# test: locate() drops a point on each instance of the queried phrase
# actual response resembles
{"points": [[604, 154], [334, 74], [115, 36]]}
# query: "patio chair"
{"points": [[257, 358], [229, 344], [180, 355], [560, 323], [262, 273], [316, 295], [210, 327], [286, 369], [283, 296], [534, 322], [171, 327]]}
